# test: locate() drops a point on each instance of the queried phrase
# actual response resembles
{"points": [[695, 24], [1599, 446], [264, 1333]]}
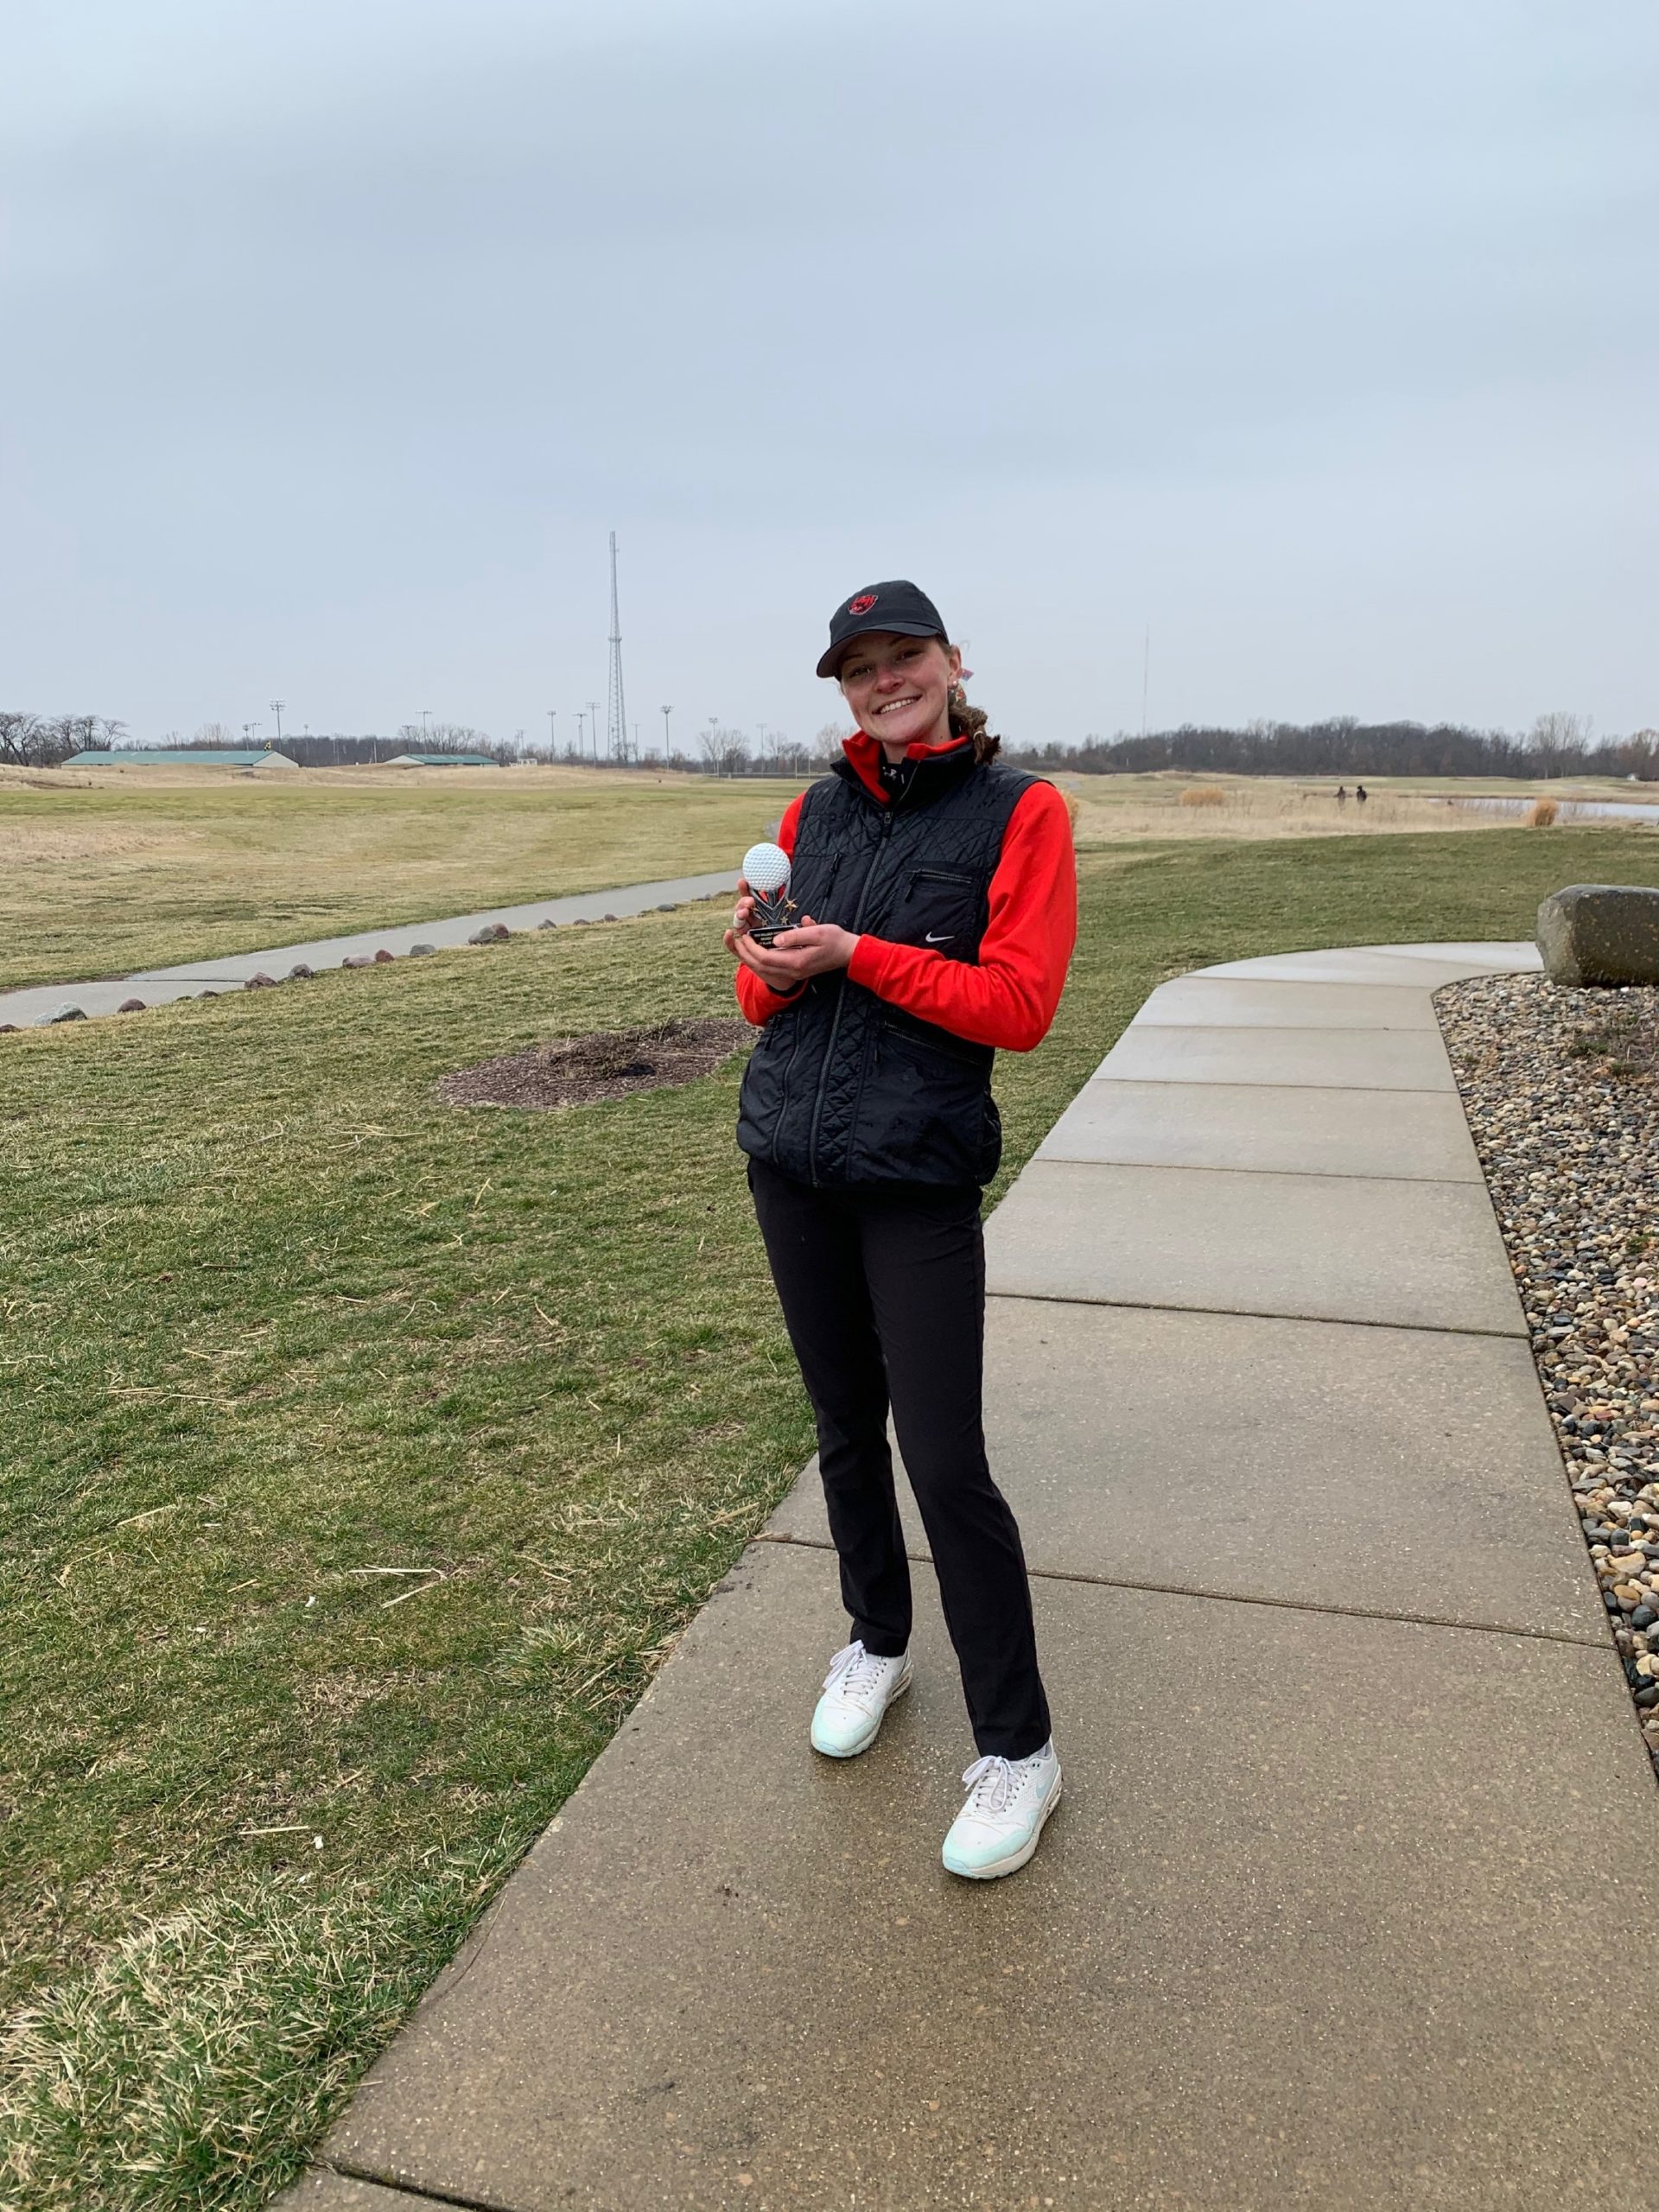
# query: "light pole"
{"points": [[276, 706], [426, 716], [552, 740], [667, 711], [593, 724]]}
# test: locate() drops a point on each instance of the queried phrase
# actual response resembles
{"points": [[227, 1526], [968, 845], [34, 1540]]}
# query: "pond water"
{"points": [[1578, 810]]}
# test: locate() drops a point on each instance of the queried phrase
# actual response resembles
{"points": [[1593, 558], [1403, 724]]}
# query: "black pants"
{"points": [[883, 1290]]}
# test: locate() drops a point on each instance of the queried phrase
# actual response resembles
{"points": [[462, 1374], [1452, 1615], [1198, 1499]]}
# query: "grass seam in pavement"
{"points": [[1250, 1314], [1262, 1029], [1288, 1175], [417, 2197], [1244, 1597]]}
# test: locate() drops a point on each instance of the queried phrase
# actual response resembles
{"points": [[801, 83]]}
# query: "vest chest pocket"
{"points": [[811, 885], [940, 909]]}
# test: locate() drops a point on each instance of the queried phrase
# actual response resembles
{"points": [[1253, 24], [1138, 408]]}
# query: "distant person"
{"points": [[944, 892], [1342, 795], [1361, 793]]}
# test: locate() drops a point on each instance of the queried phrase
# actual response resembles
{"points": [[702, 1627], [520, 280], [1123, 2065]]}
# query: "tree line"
{"points": [[332, 749], [1556, 745]]}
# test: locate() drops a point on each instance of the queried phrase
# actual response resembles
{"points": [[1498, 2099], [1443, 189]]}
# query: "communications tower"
{"points": [[616, 725]]}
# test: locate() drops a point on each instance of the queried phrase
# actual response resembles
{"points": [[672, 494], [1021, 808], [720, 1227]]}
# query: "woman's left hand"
{"points": [[814, 948]]}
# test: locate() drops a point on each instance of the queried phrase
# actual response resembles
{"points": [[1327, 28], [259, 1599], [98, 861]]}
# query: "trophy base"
{"points": [[771, 919]]}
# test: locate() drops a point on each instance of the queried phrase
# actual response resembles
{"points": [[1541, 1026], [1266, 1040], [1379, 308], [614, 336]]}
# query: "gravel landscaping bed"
{"points": [[1561, 1088]]}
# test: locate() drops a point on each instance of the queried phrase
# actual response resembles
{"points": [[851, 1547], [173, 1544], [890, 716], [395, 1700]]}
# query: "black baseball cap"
{"points": [[897, 606]]}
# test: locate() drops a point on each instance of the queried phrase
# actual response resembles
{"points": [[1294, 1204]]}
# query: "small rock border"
{"points": [[492, 933], [1560, 1086]]}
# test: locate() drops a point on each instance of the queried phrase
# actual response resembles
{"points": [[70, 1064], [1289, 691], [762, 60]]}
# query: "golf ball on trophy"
{"points": [[766, 870]]}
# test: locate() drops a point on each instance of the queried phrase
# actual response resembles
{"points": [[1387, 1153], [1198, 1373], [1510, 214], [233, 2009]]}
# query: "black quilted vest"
{"points": [[843, 1088]]}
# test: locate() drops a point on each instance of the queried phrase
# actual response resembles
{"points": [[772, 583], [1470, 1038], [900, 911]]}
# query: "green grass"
{"points": [[273, 1321], [130, 874]]}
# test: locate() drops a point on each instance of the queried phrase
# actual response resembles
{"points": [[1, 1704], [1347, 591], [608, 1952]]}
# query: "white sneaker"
{"points": [[1009, 1800], [857, 1691]]}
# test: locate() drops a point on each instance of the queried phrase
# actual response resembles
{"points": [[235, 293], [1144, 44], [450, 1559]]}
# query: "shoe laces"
{"points": [[991, 1781], [994, 1783], [854, 1671]]}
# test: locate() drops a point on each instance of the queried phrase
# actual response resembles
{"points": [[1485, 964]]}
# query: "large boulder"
{"points": [[1600, 933]]}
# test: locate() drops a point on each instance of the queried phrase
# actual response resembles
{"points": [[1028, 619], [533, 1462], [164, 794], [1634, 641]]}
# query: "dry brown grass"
{"points": [[111, 870], [1132, 809], [1542, 813]]}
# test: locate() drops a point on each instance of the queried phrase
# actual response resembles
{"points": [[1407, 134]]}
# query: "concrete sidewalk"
{"points": [[37, 1005], [1353, 1880]]}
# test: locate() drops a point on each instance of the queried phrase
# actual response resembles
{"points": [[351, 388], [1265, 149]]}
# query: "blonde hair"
{"points": [[972, 721]]}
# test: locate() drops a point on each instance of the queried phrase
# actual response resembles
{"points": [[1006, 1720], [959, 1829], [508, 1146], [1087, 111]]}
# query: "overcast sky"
{"points": [[1320, 337]]}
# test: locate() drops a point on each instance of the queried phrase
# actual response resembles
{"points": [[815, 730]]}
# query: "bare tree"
{"points": [[726, 752], [1639, 755], [734, 759], [45, 740], [212, 735], [19, 738], [1558, 738]]}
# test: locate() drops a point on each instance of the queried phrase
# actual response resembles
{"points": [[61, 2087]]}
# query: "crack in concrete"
{"points": [[1244, 1597]]}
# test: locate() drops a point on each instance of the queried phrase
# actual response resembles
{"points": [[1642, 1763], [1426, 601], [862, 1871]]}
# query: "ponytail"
{"points": [[972, 721]]}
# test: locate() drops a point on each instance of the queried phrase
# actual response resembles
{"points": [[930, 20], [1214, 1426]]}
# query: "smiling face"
{"points": [[899, 688]]}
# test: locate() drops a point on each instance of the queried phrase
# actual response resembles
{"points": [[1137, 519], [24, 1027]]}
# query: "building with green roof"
{"points": [[153, 756]]}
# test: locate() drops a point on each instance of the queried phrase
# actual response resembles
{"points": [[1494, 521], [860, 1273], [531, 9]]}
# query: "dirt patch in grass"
{"points": [[605, 1063]]}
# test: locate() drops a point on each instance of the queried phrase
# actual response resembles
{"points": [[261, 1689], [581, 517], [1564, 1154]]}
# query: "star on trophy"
{"points": [[766, 870]]}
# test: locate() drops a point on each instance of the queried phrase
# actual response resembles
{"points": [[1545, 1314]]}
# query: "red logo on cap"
{"points": [[863, 604]]}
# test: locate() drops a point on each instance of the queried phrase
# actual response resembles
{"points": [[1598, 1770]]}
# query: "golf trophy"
{"points": [[766, 870]]}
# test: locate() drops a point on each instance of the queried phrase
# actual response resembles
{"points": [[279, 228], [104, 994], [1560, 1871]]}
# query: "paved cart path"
{"points": [[1357, 1858], [37, 1004]]}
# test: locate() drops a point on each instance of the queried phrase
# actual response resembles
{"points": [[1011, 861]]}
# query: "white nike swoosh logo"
{"points": [[945, 939]]}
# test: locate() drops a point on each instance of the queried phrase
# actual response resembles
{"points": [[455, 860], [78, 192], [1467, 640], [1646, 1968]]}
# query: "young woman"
{"points": [[937, 893]]}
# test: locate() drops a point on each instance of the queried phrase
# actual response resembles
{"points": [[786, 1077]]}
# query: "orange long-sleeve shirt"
{"points": [[1008, 997]]}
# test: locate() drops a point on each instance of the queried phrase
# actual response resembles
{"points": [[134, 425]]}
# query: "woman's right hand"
{"points": [[738, 939], [743, 912]]}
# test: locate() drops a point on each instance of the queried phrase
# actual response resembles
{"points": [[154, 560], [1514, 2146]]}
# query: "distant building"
{"points": [[152, 756], [442, 760]]}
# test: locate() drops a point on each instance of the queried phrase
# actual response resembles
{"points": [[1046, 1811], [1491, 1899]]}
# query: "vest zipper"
{"points": [[828, 1060]]}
